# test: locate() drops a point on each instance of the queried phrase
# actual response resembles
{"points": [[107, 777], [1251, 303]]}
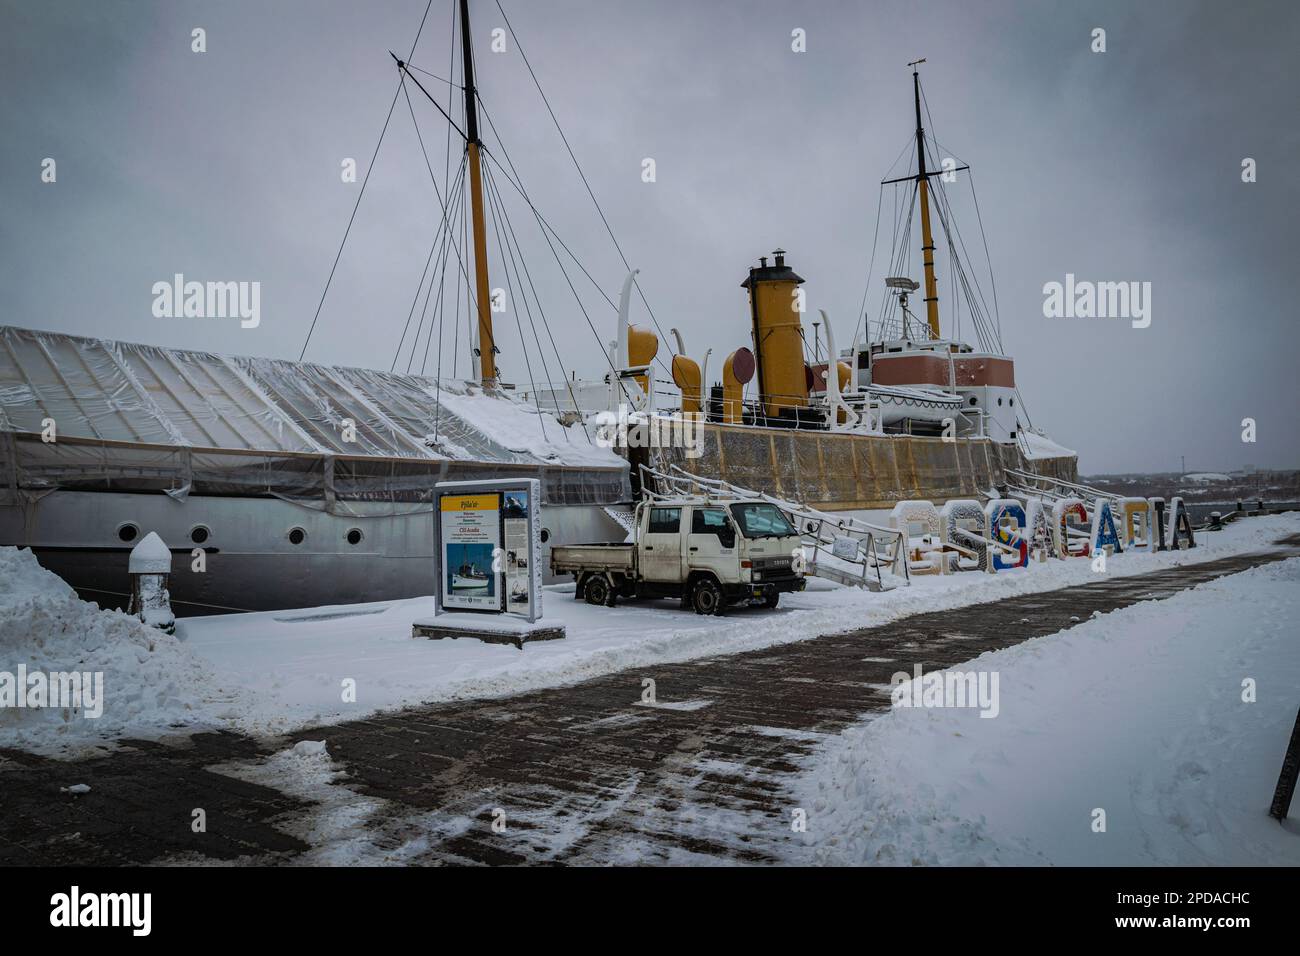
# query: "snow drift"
{"points": [[151, 682]]}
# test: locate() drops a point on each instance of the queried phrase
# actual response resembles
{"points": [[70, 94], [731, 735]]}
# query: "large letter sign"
{"points": [[1006, 524], [1136, 524], [1062, 512], [966, 515], [1104, 534], [1180, 526], [922, 513], [1158, 523], [1040, 534]]}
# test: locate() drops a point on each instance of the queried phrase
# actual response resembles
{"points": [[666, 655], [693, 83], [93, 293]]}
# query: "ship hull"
{"points": [[459, 583], [250, 562]]}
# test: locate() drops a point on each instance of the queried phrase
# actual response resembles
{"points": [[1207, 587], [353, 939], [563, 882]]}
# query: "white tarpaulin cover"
{"points": [[149, 417]]}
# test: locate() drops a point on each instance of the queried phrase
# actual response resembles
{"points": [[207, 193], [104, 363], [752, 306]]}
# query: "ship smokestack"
{"points": [[777, 331]]}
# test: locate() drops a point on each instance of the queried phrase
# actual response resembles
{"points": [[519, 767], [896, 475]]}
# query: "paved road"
{"points": [[586, 773]]}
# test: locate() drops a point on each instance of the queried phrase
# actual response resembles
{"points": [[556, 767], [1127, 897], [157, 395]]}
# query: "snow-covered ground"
{"points": [[1139, 713], [274, 671]]}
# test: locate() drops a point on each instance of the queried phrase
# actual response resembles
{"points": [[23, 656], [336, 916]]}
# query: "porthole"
{"points": [[297, 536], [974, 400], [1011, 402], [127, 532], [354, 536], [999, 402], [546, 535], [199, 534]]}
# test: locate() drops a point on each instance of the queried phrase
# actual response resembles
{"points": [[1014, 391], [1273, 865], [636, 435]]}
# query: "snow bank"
{"points": [[151, 682], [1138, 712], [23, 580]]}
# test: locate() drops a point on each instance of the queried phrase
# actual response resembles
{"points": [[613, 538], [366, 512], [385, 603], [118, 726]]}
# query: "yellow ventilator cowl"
{"points": [[845, 373], [737, 370], [642, 347], [686, 376]]}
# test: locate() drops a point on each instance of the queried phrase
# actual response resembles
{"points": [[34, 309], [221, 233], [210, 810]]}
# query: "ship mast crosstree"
{"points": [[922, 179]]}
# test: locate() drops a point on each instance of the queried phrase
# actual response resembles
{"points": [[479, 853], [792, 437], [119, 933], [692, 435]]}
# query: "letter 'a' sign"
{"points": [[489, 546]]}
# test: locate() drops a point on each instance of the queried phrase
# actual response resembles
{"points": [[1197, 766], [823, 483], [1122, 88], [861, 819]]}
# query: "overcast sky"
{"points": [[1115, 166]]}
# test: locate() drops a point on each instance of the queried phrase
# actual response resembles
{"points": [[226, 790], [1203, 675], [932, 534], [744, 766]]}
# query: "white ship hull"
{"points": [[459, 583]]}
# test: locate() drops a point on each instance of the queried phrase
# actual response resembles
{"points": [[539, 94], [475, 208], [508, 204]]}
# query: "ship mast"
{"points": [[486, 342], [922, 179], [927, 237]]}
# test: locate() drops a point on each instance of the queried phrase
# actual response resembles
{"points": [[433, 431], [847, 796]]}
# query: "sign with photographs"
{"points": [[471, 532], [489, 546]]}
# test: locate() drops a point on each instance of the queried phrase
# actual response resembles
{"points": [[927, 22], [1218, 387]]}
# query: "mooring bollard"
{"points": [[149, 566], [1216, 521]]}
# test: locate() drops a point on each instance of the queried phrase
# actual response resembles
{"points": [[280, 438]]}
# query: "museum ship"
{"points": [[282, 484]]}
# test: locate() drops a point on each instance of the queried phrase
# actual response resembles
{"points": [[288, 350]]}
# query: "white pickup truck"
{"points": [[708, 552]]}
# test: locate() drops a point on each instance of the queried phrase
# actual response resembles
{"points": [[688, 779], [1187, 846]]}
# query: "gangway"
{"points": [[845, 549]]}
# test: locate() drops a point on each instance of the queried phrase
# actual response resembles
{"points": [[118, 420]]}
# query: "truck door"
{"points": [[661, 545], [711, 544]]}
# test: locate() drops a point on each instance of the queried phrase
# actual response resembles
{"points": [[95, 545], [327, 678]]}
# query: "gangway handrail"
{"points": [[1063, 483]]}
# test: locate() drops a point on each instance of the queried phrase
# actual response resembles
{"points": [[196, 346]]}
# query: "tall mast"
{"points": [[923, 185], [486, 342]]}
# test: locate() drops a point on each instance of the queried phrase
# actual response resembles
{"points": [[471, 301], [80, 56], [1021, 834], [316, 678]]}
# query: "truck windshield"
{"points": [[761, 520]]}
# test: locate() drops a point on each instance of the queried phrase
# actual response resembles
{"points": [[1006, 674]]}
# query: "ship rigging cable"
{"points": [[510, 229], [512, 177], [365, 179], [510, 292], [443, 205], [583, 176]]}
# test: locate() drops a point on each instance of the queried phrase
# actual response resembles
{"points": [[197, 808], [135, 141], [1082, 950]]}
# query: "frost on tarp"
{"points": [[150, 556], [142, 418]]}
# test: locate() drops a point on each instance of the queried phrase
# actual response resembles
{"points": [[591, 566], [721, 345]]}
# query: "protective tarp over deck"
{"points": [[129, 417]]}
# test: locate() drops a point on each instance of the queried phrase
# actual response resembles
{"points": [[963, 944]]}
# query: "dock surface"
{"points": [[588, 773]]}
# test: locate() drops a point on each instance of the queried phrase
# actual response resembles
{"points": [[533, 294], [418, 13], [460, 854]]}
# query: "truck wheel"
{"points": [[597, 590], [706, 597]]}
